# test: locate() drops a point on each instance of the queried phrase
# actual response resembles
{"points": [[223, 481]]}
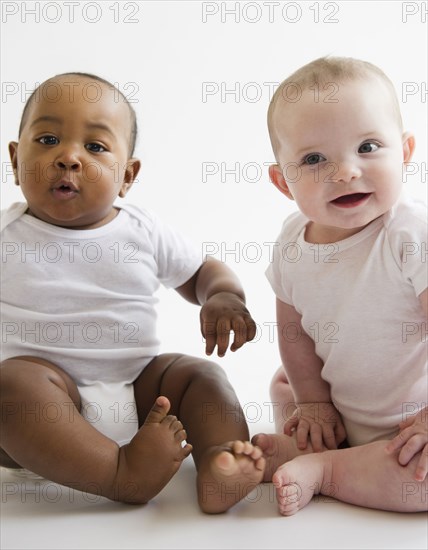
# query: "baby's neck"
{"points": [[324, 234]]}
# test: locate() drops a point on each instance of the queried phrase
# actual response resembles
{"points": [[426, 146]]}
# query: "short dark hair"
{"points": [[134, 129]]}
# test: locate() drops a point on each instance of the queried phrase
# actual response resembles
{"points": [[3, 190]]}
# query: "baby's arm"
{"points": [[413, 436], [315, 414], [220, 293]]}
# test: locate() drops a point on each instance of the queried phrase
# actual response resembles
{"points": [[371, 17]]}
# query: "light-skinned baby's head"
{"points": [[337, 135], [322, 78]]}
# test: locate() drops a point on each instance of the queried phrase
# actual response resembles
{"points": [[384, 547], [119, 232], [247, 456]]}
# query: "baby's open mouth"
{"points": [[352, 199], [65, 190]]}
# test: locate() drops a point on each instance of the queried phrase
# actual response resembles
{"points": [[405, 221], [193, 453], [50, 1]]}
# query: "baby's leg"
{"points": [[279, 448], [228, 465], [283, 401], [365, 476], [43, 431]]}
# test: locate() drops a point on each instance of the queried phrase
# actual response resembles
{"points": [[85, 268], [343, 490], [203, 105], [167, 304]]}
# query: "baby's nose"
{"points": [[345, 171], [68, 159]]}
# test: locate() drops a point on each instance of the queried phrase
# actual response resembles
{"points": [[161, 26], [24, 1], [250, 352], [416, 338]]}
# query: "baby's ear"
{"points": [[408, 146], [13, 152], [131, 170], [277, 178]]}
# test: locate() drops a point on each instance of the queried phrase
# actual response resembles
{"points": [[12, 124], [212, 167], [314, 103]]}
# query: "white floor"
{"points": [[48, 516]]}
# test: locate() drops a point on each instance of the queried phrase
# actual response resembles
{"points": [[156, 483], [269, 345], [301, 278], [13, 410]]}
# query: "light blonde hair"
{"points": [[324, 71]]}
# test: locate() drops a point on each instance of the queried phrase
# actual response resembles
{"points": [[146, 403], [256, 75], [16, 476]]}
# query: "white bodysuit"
{"points": [[358, 299], [84, 300]]}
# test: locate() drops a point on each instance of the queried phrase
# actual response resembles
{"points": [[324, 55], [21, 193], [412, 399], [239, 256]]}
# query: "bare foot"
{"points": [[277, 449], [227, 474], [152, 457], [297, 481]]}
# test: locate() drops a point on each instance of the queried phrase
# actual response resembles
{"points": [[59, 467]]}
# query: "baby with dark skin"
{"points": [[65, 137]]}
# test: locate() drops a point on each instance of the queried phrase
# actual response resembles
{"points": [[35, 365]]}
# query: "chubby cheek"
{"points": [[308, 203], [388, 181], [37, 172]]}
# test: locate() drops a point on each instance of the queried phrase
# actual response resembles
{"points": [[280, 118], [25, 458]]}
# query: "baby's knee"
{"points": [[211, 371], [191, 368], [280, 389]]}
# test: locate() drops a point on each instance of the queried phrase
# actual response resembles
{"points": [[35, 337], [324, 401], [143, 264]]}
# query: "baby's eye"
{"points": [[313, 158], [368, 147], [48, 140], [95, 147]]}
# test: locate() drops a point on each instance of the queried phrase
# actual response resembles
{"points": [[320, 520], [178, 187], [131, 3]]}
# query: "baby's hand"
{"points": [[321, 421], [412, 439], [219, 315]]}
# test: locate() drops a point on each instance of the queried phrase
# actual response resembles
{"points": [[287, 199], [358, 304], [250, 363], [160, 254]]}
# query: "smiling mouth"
{"points": [[353, 199]]}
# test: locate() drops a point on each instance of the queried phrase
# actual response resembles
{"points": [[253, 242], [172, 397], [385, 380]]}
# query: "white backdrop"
{"points": [[200, 76]]}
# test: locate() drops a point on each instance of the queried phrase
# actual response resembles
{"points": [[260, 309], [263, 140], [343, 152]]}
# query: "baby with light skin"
{"points": [[349, 377]]}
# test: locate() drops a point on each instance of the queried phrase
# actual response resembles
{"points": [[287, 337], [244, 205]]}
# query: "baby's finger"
{"points": [[407, 422], [302, 434], [290, 425], [340, 432], [223, 335], [412, 447], [316, 437], [209, 333], [398, 441], [251, 327], [329, 437], [240, 333], [422, 467]]}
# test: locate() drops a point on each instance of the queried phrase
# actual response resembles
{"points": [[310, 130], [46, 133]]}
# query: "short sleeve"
{"points": [[408, 238], [276, 272], [276, 276], [176, 256]]}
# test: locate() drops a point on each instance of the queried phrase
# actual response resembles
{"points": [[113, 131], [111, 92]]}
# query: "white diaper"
{"points": [[359, 434], [111, 409]]}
